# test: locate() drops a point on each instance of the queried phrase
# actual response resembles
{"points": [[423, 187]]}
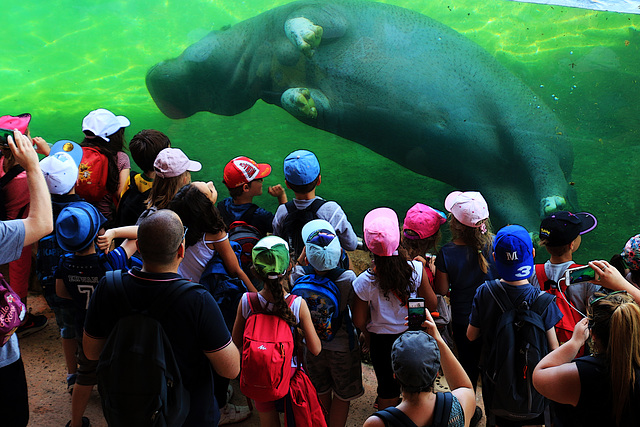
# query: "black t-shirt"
{"points": [[194, 326], [596, 401]]}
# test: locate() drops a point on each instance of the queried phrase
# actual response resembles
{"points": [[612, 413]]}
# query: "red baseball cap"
{"points": [[20, 122], [242, 170]]}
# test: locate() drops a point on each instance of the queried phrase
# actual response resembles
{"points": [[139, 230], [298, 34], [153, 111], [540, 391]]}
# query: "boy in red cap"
{"points": [[243, 177], [15, 200]]}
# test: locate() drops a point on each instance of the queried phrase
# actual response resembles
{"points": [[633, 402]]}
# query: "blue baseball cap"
{"points": [[301, 167], [513, 252], [78, 225], [73, 149]]}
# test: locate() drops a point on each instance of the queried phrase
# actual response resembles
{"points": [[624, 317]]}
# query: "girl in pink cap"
{"points": [[464, 264], [382, 293]]}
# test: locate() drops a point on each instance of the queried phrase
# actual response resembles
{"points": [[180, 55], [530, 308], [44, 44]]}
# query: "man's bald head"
{"points": [[159, 237]]}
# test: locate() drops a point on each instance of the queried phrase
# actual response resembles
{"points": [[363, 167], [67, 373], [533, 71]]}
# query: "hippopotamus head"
{"points": [[203, 78]]}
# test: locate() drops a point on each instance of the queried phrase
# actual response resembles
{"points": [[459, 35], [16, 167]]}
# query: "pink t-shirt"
{"points": [[16, 193]]}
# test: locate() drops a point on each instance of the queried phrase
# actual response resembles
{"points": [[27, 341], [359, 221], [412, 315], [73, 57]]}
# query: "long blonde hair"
{"points": [[480, 238], [616, 325]]}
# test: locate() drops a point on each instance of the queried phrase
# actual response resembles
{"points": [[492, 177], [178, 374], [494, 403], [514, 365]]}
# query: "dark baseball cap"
{"points": [[562, 228], [415, 358]]}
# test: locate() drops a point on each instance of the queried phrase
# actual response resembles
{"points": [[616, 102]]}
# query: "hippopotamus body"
{"points": [[393, 80]]}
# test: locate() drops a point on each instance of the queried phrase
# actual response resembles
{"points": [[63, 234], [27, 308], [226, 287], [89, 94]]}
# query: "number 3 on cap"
{"points": [[524, 271]]}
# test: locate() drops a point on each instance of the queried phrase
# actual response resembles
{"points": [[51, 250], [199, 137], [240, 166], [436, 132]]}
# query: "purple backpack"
{"points": [[12, 311]]}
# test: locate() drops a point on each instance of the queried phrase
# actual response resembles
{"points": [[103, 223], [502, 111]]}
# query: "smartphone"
{"points": [[579, 274], [4, 133], [417, 314]]}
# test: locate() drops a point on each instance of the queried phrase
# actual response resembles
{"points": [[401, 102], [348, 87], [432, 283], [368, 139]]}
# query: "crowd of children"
{"points": [[289, 289]]}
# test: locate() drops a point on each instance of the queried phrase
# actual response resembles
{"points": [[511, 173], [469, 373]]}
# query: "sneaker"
{"points": [[231, 413], [32, 324], [229, 392], [71, 381], [85, 422], [477, 416]]}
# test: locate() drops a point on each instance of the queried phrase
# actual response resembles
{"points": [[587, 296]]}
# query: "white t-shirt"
{"points": [[196, 258], [387, 314]]}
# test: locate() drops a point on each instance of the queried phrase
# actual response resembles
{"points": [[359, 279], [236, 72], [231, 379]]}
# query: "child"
{"points": [[103, 136], [302, 175], [243, 178], [144, 147], [382, 292], [417, 358], [561, 235], [173, 171], [421, 234], [76, 278], [60, 170], [513, 254], [462, 265], [15, 205], [271, 261], [631, 257], [337, 368]]}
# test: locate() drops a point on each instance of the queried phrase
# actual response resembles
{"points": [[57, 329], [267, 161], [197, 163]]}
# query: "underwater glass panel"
{"points": [[63, 59]]}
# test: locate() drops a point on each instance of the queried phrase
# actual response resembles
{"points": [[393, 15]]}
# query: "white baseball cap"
{"points": [[60, 172], [103, 123]]}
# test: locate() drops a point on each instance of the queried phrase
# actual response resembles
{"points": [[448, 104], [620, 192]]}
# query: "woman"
{"points": [[382, 293], [602, 388], [416, 359]]}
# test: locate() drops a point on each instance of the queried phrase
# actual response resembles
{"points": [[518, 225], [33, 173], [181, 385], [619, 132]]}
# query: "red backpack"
{"points": [[92, 175], [267, 350], [564, 327]]}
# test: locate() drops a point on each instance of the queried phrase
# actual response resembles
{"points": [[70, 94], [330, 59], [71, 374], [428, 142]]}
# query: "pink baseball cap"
{"points": [[468, 207], [423, 220], [20, 122], [172, 162], [382, 232]]}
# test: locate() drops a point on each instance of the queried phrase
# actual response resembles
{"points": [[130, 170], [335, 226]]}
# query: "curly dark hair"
{"points": [[197, 212], [394, 274], [110, 150]]}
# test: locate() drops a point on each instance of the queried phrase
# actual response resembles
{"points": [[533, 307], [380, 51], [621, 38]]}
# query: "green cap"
{"points": [[271, 257]]}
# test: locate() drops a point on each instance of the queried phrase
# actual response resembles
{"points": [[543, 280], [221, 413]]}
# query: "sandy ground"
{"points": [[50, 404]]}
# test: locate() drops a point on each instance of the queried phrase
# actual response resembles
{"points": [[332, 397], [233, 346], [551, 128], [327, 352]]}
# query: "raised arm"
{"points": [[39, 223], [610, 278]]}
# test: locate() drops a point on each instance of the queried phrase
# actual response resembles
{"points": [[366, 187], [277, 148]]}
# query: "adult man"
{"points": [[195, 326], [14, 235]]}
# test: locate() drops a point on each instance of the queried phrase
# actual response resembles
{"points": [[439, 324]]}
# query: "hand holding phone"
{"points": [[579, 274], [417, 314]]}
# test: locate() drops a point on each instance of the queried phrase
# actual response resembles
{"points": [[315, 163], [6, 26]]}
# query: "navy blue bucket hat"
{"points": [[77, 226]]}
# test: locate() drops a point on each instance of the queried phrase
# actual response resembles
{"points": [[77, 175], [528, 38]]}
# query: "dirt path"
{"points": [[50, 404]]}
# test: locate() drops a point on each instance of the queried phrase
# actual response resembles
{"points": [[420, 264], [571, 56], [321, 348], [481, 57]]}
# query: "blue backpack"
{"points": [[323, 298], [226, 290]]}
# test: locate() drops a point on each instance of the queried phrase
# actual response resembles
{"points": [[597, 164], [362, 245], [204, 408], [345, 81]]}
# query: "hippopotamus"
{"points": [[393, 80]]}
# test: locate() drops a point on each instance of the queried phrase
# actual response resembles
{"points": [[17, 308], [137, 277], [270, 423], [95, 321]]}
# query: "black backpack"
{"points": [[242, 232], [394, 417], [138, 378], [6, 178], [519, 343], [295, 220], [226, 290], [132, 203]]}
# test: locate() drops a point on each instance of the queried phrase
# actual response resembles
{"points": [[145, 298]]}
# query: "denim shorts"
{"points": [[65, 314]]}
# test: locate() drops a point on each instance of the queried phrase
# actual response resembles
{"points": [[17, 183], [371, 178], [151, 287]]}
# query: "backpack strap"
{"points": [[542, 302], [499, 294], [133, 186], [11, 173], [291, 207], [444, 402], [247, 216], [395, 417], [256, 307], [542, 278], [316, 204]]}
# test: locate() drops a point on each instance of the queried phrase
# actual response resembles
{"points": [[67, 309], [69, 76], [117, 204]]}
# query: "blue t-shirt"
{"points": [[485, 311], [460, 262], [11, 240], [81, 275], [261, 219]]}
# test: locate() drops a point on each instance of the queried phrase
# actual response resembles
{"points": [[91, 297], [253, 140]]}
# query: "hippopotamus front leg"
{"points": [[304, 34], [303, 103]]}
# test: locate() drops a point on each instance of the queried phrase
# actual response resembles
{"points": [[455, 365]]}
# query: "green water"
{"points": [[62, 59]]}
